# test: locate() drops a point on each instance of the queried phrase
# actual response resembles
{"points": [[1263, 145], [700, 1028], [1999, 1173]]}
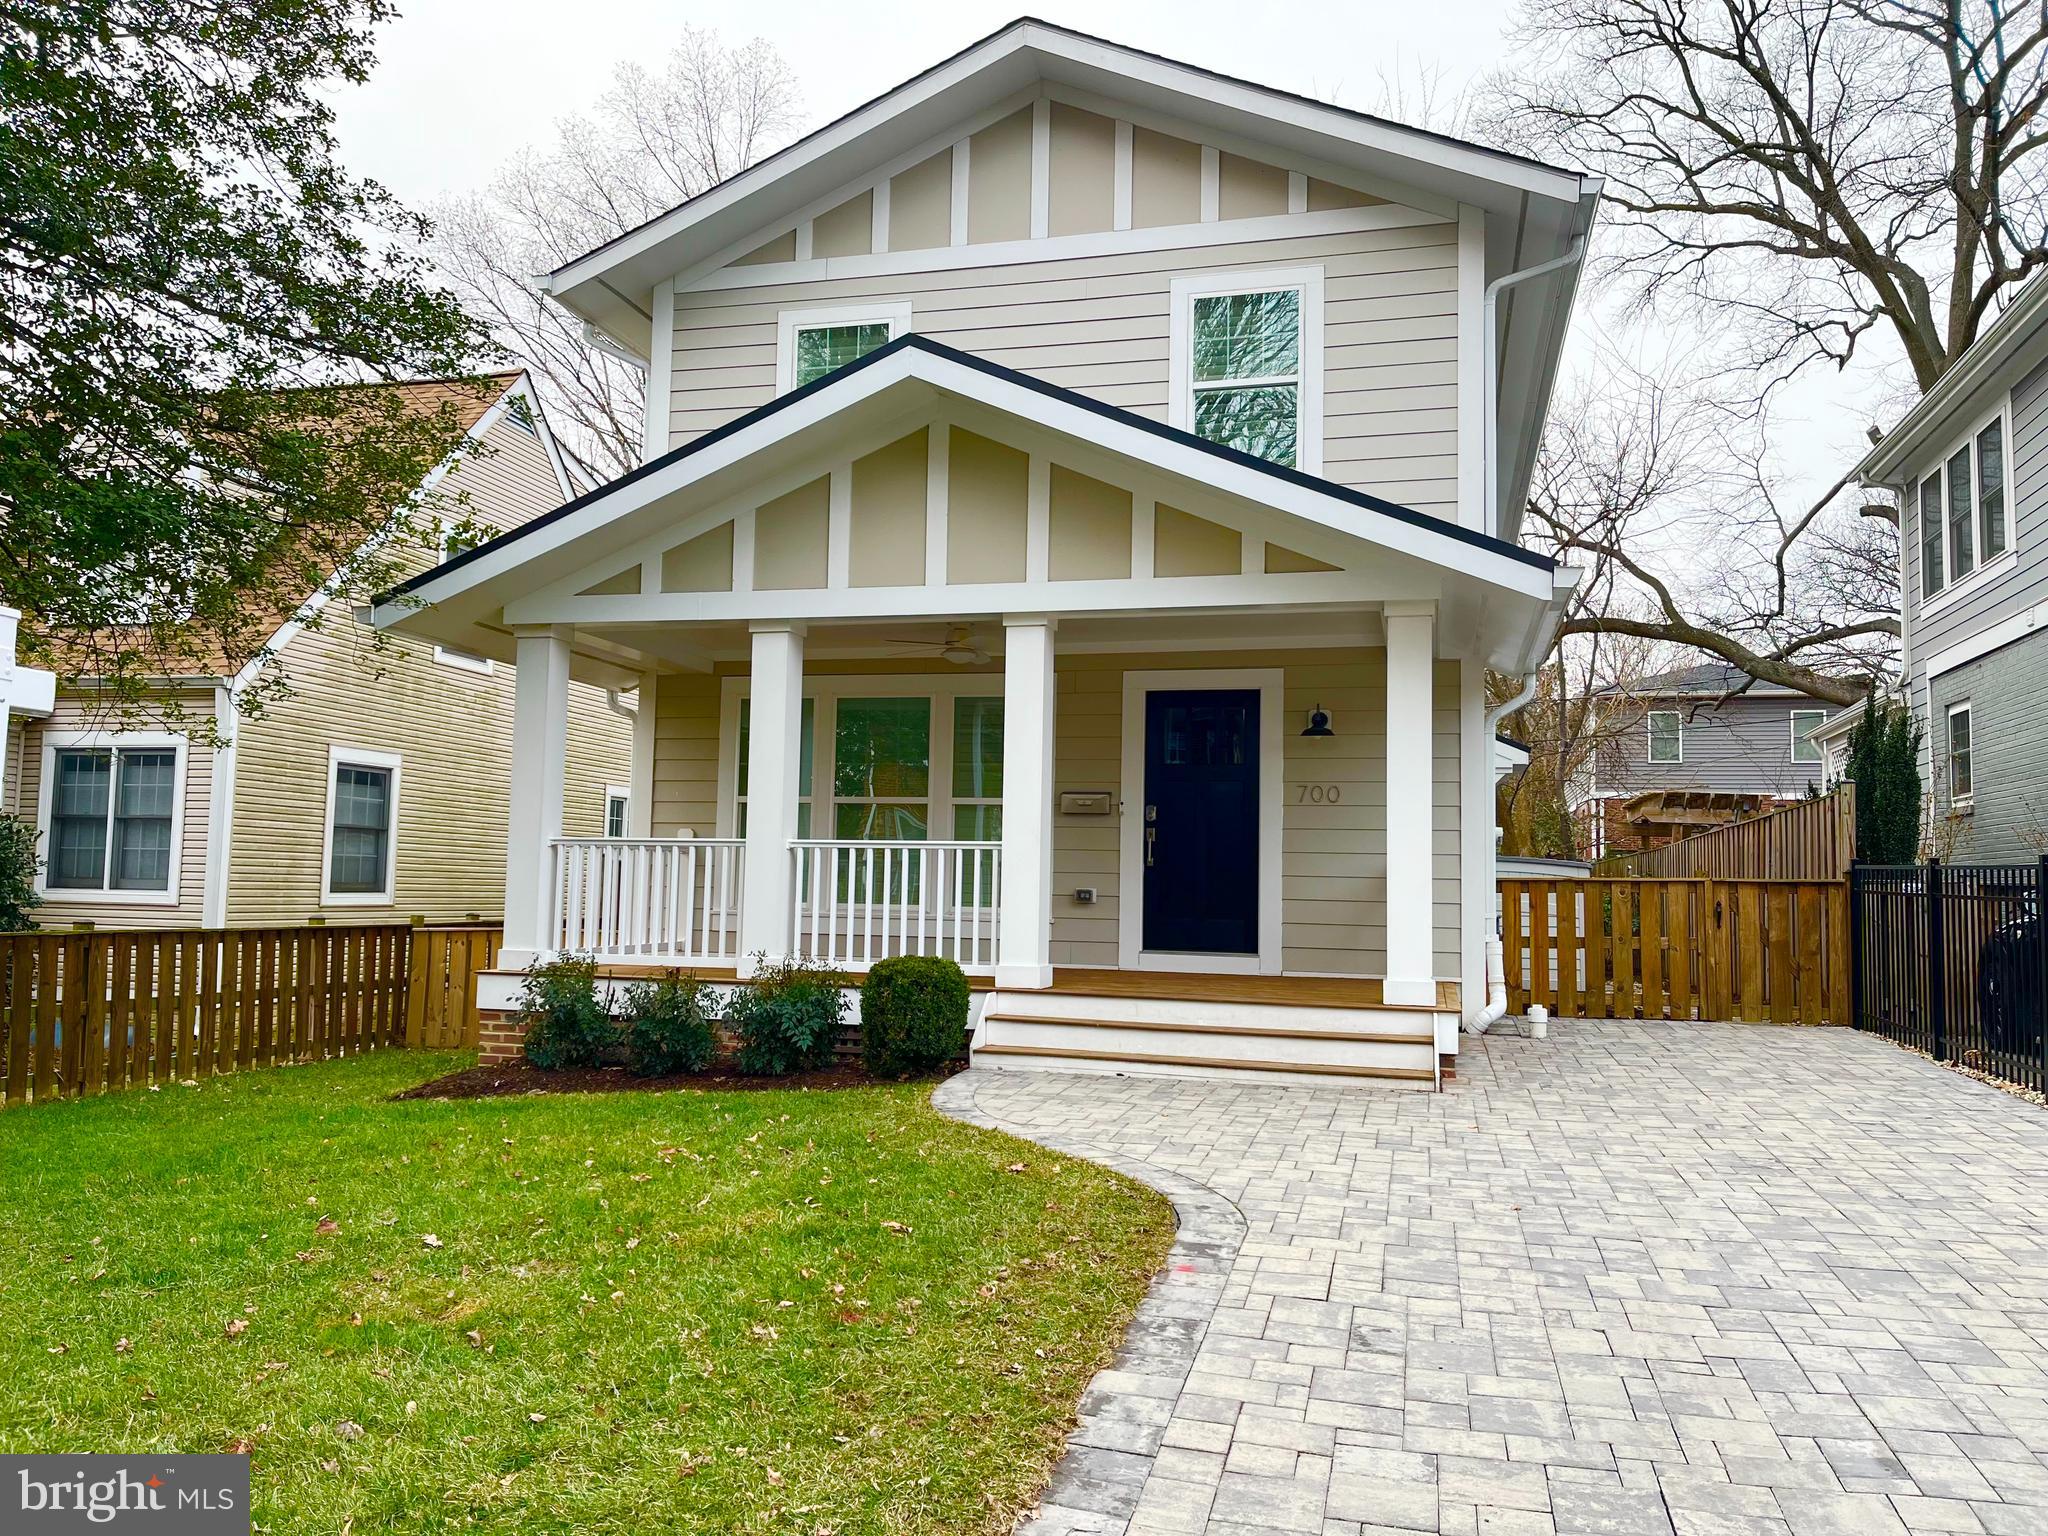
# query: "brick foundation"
{"points": [[500, 1038]]}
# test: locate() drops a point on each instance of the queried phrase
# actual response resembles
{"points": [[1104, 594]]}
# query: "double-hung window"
{"points": [[112, 818], [1804, 723], [1962, 506], [1961, 788], [1247, 362], [812, 343], [362, 824], [617, 810], [1667, 736]]}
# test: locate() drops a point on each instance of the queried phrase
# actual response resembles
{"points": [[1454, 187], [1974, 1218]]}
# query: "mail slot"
{"points": [[1085, 802]]}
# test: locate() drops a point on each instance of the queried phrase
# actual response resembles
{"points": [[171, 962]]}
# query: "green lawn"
{"points": [[771, 1311]]}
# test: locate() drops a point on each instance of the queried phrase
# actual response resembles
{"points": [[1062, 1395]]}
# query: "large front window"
{"points": [[881, 769], [110, 818]]}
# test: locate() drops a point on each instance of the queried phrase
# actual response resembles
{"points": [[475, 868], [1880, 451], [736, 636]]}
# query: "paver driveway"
{"points": [[1636, 1278]]}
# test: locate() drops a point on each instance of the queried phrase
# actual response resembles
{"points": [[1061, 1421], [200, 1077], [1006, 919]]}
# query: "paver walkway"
{"points": [[1702, 1279]]}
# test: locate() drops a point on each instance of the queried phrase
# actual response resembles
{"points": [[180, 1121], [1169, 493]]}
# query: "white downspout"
{"points": [[1496, 974], [1492, 368]]}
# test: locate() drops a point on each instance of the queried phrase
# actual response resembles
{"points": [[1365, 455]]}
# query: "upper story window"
{"points": [[1804, 723], [814, 342], [1667, 736], [1247, 362], [112, 817], [1962, 510]]}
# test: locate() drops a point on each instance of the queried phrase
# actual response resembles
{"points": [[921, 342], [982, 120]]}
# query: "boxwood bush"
{"points": [[566, 1026], [913, 1015], [667, 1027], [786, 1017]]}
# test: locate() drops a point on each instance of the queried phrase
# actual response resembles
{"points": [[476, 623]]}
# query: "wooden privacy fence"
{"points": [[1813, 840], [85, 1013], [1759, 951]]}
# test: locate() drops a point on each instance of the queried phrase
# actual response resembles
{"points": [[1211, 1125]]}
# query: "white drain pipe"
{"points": [[1496, 990]]}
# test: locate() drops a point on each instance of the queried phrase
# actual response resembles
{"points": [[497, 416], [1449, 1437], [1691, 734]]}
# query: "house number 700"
{"points": [[1317, 794]]}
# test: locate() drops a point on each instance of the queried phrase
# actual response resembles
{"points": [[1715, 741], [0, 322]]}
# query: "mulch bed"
{"points": [[517, 1079]]}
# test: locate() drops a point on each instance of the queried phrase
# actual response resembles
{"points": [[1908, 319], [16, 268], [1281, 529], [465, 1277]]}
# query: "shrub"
{"points": [[913, 1014], [566, 1026], [667, 1029], [1884, 760], [785, 1019], [18, 863]]}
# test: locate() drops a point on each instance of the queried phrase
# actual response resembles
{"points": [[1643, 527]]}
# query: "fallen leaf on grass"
{"points": [[475, 1337], [326, 1226], [349, 1429], [536, 1418], [237, 1326], [428, 1240], [124, 1346]]}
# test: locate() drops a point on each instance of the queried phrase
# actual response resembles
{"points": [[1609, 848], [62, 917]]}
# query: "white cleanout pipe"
{"points": [[1490, 376]]}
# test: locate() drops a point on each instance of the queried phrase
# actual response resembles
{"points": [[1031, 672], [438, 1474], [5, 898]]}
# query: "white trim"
{"points": [[1144, 537], [1995, 637], [878, 222], [1650, 739], [622, 793], [1472, 370], [220, 811], [1948, 753], [115, 742], [937, 500], [1792, 726], [894, 313], [1297, 192], [1270, 683], [1479, 754], [1104, 242], [1120, 198], [660, 372], [463, 661], [1981, 572], [646, 722], [1038, 520], [839, 528], [338, 756], [1212, 184], [805, 234], [1308, 281], [962, 183], [1041, 168]]}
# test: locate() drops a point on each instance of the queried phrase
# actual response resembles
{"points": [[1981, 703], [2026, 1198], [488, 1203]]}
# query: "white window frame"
{"points": [[462, 661], [1820, 759], [1308, 281], [1962, 802], [339, 755], [622, 795], [1980, 571], [1650, 739], [116, 742], [894, 314]]}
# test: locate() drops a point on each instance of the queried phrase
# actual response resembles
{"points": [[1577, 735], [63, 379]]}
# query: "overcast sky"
{"points": [[460, 85]]}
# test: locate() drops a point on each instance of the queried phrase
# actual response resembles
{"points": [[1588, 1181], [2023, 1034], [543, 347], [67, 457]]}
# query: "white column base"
{"points": [[518, 959], [1408, 992], [1024, 978]]}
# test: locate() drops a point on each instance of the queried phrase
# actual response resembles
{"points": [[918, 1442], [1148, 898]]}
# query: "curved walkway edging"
{"points": [[1124, 1412]]}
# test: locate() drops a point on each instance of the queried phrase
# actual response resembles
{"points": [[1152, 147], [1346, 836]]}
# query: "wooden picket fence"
{"points": [[1758, 951], [1813, 840], [88, 1012]]}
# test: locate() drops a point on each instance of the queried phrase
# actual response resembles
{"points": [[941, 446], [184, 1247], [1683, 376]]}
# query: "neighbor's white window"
{"points": [[362, 826], [1961, 787], [1962, 508], [814, 342], [1804, 723], [1247, 363], [112, 815], [617, 803], [1667, 736]]}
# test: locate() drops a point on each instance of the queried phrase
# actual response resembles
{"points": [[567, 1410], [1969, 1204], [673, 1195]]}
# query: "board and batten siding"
{"points": [[451, 726], [84, 712], [1333, 863], [1100, 325]]}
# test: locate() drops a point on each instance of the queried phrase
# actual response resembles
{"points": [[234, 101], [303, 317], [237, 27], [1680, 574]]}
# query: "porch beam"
{"points": [[774, 744], [540, 752], [1024, 937], [1411, 654]]}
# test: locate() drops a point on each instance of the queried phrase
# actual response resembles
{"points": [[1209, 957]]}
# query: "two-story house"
{"points": [[1694, 747], [1080, 510], [1969, 467], [374, 790]]}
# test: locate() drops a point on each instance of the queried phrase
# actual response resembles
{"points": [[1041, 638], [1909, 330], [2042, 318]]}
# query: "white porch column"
{"points": [[1411, 650], [540, 750], [774, 741], [1024, 937], [640, 778]]}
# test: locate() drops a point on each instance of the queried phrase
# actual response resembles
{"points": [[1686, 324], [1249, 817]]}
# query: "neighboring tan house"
{"points": [[375, 790], [1081, 508], [1696, 747], [1969, 466]]}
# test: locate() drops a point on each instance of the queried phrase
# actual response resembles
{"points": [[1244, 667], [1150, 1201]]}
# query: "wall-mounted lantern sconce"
{"points": [[1318, 723]]}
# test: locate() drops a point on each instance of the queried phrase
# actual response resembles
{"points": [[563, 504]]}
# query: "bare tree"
{"points": [[1809, 172], [1586, 699], [1663, 490], [655, 140]]}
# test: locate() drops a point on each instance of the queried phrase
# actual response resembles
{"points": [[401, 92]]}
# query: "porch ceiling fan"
{"points": [[958, 647]]}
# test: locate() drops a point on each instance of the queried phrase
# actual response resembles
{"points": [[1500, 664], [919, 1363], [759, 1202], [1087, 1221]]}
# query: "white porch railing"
{"points": [[664, 898], [858, 902]]}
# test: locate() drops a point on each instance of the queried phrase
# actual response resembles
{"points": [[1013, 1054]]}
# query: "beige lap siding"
{"points": [[1333, 856], [83, 713], [1100, 325]]}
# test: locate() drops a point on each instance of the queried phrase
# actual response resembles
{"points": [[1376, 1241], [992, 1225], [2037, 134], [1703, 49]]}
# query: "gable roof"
{"points": [[1706, 679], [1437, 538]]}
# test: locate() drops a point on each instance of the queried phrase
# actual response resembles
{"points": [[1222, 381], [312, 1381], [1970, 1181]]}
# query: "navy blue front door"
{"points": [[1201, 832]]}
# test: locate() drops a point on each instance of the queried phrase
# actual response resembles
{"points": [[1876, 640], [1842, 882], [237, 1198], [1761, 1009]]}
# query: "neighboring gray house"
{"points": [[1970, 469], [1696, 746]]}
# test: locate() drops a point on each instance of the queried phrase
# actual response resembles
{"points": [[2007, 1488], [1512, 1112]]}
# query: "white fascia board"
{"points": [[532, 546]]}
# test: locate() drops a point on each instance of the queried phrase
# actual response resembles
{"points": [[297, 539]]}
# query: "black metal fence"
{"points": [[1950, 959]]}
